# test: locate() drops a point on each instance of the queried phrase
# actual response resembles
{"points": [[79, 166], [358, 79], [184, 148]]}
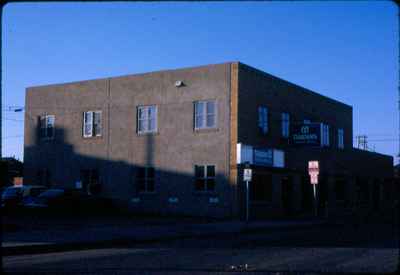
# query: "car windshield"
{"points": [[51, 193]]}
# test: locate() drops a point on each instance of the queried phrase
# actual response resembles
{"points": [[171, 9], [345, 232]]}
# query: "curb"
{"points": [[123, 242]]}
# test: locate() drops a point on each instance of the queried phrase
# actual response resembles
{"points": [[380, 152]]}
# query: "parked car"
{"points": [[13, 196], [59, 200]]}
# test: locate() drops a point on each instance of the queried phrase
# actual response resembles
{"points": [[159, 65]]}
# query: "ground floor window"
{"points": [[261, 188], [205, 177], [43, 177], [90, 181], [340, 189], [145, 179]]}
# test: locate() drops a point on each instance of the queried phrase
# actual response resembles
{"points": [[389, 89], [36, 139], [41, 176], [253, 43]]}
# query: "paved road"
{"points": [[322, 248]]}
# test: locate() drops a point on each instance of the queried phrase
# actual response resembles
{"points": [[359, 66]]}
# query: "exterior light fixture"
{"points": [[179, 83]]}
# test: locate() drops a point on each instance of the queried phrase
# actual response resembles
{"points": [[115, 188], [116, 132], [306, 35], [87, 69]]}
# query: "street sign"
{"points": [[247, 175], [313, 171]]}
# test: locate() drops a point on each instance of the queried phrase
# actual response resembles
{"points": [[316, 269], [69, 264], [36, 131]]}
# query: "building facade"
{"points": [[176, 142]]}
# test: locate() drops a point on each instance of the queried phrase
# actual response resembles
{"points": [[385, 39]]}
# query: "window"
{"points": [[145, 179], [205, 177], [340, 138], [340, 189], [261, 188], [285, 125], [46, 127], [147, 119], [43, 177], [92, 124], [205, 114], [90, 181], [307, 121], [324, 134], [263, 119]]}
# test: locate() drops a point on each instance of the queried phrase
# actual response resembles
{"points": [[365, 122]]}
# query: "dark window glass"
{"points": [[199, 184], [210, 184], [199, 171], [150, 185], [210, 171], [150, 173], [140, 173], [140, 185]]}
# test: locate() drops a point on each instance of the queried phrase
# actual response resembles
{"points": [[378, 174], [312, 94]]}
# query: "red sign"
{"points": [[313, 171]]}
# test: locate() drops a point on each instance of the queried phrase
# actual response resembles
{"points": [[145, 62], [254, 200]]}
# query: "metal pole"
{"points": [[247, 200], [315, 200]]}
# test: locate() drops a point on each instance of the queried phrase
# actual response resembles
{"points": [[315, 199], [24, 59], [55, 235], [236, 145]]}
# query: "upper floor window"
{"points": [[205, 114], [285, 125], [324, 134], [145, 179], [147, 119], [47, 127], [263, 119], [205, 177], [340, 138], [92, 124]]}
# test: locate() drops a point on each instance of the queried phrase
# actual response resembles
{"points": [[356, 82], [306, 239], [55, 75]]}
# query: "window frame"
{"points": [[263, 119], [45, 127], [147, 118], [285, 124], [340, 143], [204, 114], [325, 140], [205, 178], [92, 124]]}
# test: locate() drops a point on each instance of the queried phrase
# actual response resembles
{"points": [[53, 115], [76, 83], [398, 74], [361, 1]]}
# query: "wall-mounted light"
{"points": [[179, 83]]}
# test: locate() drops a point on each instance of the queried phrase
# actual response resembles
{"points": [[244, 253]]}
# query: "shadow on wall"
{"points": [[139, 188]]}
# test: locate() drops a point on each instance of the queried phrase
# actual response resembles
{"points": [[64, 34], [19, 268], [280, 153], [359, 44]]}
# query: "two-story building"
{"points": [[176, 142]]}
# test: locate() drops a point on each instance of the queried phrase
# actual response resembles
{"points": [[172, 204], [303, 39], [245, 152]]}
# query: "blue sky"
{"points": [[344, 50]]}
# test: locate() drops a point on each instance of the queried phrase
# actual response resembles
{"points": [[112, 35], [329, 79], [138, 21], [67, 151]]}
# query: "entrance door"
{"points": [[287, 196]]}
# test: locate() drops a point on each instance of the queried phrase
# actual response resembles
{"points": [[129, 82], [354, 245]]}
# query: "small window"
{"points": [[147, 119], [285, 125], [325, 135], [205, 114], [340, 139], [92, 124], [204, 177], [90, 181], [145, 179], [263, 119], [47, 127]]}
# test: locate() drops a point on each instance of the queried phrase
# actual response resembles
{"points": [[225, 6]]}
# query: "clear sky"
{"points": [[344, 50]]}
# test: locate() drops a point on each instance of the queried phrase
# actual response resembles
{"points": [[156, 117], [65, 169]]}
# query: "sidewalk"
{"points": [[98, 234]]}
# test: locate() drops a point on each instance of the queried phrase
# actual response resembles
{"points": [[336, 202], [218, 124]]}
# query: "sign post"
{"points": [[313, 171], [247, 178]]}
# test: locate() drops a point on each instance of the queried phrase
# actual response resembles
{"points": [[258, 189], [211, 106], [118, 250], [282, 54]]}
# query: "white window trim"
{"points": [[263, 118], [285, 125], [206, 178], [92, 123], [146, 109], [204, 114], [325, 135], [45, 126], [340, 138]]}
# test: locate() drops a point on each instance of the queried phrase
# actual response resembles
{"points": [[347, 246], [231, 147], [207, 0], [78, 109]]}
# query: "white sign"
{"points": [[313, 165], [247, 175], [313, 171], [314, 178]]}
